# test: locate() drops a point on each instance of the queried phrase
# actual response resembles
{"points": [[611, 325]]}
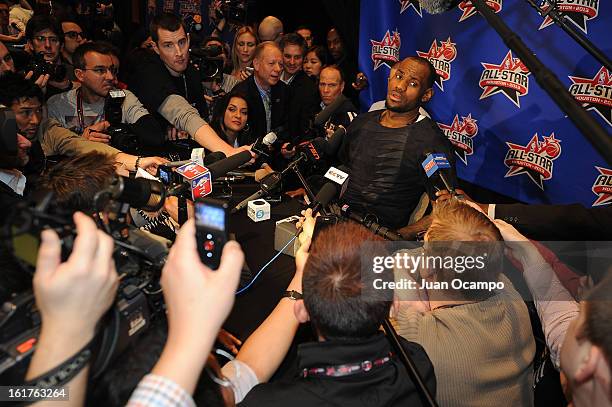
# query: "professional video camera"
{"points": [[39, 66], [122, 137], [234, 11], [208, 62], [139, 259]]}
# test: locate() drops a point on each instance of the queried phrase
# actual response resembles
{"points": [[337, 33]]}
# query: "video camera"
{"points": [[208, 62], [139, 259], [122, 137], [40, 66], [234, 11]]}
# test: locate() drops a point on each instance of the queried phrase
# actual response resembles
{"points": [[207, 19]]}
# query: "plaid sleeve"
{"points": [[159, 391]]}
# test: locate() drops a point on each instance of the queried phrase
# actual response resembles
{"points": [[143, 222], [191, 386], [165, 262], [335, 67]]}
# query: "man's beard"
{"points": [[399, 109]]}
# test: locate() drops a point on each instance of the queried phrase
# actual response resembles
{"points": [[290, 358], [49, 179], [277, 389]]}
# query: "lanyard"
{"points": [[79, 98]]}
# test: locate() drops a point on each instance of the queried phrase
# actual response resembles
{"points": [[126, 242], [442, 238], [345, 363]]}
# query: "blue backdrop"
{"points": [[509, 135]]}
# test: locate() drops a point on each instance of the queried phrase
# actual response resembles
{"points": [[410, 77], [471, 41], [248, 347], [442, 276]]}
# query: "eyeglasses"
{"points": [[73, 35], [102, 70], [42, 38]]}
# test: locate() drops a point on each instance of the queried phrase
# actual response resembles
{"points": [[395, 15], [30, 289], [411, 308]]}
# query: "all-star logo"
{"points": [[386, 52], [461, 133], [602, 187], [441, 57], [469, 10], [595, 93], [535, 159], [511, 78], [576, 11], [411, 3]]}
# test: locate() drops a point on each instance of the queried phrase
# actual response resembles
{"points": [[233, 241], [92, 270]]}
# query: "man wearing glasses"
{"points": [[73, 37], [82, 110], [46, 38]]}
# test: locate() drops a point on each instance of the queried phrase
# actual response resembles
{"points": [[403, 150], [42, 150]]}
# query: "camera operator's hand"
{"points": [[287, 153], [41, 81], [198, 300], [95, 132]]}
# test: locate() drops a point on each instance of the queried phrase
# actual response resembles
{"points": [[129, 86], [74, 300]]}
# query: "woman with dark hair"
{"points": [[229, 118], [316, 58]]}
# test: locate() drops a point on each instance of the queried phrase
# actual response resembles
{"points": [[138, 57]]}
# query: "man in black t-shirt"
{"points": [[384, 149], [165, 82]]}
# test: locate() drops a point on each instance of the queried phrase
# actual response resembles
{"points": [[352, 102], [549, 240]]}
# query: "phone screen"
{"points": [[210, 216]]}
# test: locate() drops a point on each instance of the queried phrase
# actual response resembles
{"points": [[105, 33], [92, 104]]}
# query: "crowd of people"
{"points": [[88, 110]]}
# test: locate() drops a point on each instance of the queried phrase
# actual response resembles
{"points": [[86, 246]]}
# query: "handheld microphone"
{"points": [[268, 184], [369, 223], [433, 165], [263, 144], [324, 196], [335, 141], [326, 113]]}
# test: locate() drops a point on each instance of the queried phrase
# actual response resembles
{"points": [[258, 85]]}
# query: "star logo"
{"points": [[469, 10], [510, 78], [535, 159], [602, 187], [441, 57], [595, 93], [461, 134], [386, 52], [578, 12], [411, 3]]}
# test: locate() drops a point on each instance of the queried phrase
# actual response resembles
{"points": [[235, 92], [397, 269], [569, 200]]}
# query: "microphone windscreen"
{"points": [[269, 139], [211, 158], [325, 114], [438, 6], [222, 167], [326, 194], [335, 141]]}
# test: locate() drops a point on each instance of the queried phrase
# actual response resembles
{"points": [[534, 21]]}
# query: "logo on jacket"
{"points": [[578, 12], [535, 159], [411, 3], [602, 187], [441, 57], [469, 10], [510, 78], [461, 133], [595, 93], [386, 52]]}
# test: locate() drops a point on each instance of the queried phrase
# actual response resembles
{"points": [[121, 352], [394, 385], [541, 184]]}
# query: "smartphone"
{"points": [[211, 217], [322, 222]]}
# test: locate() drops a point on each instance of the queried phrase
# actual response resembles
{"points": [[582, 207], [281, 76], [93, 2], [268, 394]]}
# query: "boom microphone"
{"points": [[438, 6]]}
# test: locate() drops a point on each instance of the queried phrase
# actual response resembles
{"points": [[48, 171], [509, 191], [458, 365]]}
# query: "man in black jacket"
{"points": [[303, 94], [267, 96]]}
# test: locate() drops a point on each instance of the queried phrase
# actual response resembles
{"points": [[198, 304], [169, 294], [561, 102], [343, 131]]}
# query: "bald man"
{"points": [[267, 96], [270, 29], [384, 149]]}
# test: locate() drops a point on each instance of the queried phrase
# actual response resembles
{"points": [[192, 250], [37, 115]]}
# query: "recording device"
{"points": [[208, 62], [435, 165], [122, 137], [168, 176], [234, 11], [211, 217], [40, 66], [323, 222], [140, 193], [263, 145]]}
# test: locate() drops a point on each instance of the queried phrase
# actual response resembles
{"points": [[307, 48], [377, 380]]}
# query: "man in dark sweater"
{"points": [[384, 149]]}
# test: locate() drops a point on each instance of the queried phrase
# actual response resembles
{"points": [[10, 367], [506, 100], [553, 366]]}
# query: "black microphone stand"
{"points": [[293, 166], [581, 39], [588, 126]]}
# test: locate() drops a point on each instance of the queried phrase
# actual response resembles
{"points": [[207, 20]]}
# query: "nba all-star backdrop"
{"points": [[509, 136]]}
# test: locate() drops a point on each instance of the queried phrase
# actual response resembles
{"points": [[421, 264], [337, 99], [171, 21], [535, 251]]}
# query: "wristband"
{"points": [[137, 164]]}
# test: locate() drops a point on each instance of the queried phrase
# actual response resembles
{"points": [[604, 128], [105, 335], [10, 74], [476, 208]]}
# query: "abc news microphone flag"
{"points": [[508, 135]]}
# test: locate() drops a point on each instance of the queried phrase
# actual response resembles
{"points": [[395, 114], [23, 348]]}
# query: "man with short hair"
{"points": [[267, 96], [336, 46], [7, 32], [270, 29], [45, 37], [6, 60], [306, 33], [73, 37], [331, 85], [82, 110], [384, 150], [303, 95], [167, 84]]}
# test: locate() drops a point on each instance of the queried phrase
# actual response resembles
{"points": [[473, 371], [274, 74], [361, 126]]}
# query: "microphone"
{"points": [[213, 157], [369, 223], [222, 167], [335, 141], [438, 6], [140, 193], [267, 185], [433, 164], [324, 196], [263, 144], [330, 109]]}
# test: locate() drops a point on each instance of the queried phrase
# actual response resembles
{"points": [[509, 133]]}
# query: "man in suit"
{"points": [[303, 94], [266, 95]]}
